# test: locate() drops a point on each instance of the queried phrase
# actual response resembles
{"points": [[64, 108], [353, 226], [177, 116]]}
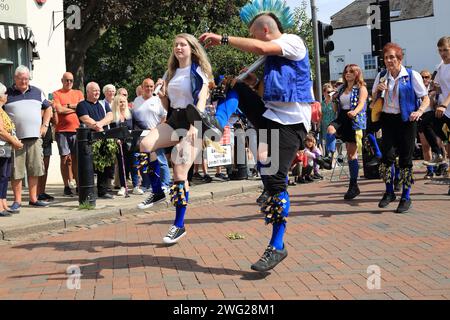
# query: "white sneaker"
{"points": [[121, 192], [138, 191]]}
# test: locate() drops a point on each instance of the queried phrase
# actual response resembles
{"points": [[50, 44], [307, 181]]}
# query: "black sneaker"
{"points": [[317, 176], [5, 214], [324, 162], [442, 170], [429, 175], [374, 162], [45, 197], [151, 200], [448, 193], [263, 197], [39, 204], [174, 234], [197, 176], [209, 122], [404, 205], [107, 196], [352, 192], [437, 159], [387, 198], [68, 192], [206, 178], [222, 176], [308, 179], [270, 258]]}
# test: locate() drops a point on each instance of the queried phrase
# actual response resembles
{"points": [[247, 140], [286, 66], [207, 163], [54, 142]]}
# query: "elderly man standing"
{"points": [[97, 117], [66, 101], [31, 113]]}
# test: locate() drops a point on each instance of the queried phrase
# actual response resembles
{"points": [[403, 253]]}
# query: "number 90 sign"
{"points": [[4, 6]]}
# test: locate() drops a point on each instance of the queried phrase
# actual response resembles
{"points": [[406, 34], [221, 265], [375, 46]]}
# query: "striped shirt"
{"points": [[24, 109]]}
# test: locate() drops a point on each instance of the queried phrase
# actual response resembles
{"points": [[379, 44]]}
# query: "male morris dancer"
{"points": [[285, 105]]}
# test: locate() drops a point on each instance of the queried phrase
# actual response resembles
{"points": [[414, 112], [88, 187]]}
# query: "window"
{"points": [[12, 54], [370, 62]]}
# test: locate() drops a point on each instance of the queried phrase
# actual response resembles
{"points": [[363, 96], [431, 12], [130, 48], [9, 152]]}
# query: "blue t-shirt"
{"points": [[93, 110]]}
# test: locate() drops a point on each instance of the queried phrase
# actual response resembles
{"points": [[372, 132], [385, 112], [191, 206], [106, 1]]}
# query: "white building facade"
{"points": [[28, 37], [32, 34], [418, 38]]}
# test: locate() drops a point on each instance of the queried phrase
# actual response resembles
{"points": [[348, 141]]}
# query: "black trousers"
{"points": [[398, 138], [429, 126], [290, 140], [438, 125]]}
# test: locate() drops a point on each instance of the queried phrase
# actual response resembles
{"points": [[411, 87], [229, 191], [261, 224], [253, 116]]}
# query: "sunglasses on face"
{"points": [[426, 77], [68, 80]]}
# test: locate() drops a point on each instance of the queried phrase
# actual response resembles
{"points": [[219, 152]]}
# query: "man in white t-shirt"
{"points": [[442, 80], [285, 109], [148, 112]]}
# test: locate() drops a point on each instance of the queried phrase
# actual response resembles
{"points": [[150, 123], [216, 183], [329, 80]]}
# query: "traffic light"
{"points": [[325, 45]]}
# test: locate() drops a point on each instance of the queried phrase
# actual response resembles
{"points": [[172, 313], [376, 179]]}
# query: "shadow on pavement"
{"points": [[91, 268], [88, 246]]}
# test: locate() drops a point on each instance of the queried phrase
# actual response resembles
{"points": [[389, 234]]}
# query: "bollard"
{"points": [[86, 194]]}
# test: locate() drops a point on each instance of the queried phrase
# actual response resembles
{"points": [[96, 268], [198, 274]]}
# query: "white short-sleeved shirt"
{"points": [[147, 113], [443, 79], [345, 101], [391, 99], [293, 48], [179, 89]]}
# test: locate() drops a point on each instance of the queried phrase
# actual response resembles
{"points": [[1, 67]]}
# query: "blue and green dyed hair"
{"points": [[277, 9]]}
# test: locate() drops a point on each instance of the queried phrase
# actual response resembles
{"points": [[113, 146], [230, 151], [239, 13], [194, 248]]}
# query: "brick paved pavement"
{"points": [[331, 243]]}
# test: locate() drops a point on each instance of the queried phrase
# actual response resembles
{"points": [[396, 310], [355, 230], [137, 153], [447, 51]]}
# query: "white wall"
{"points": [[52, 63], [418, 37], [50, 45]]}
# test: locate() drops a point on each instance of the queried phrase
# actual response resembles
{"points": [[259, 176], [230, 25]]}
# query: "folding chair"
{"points": [[340, 164]]}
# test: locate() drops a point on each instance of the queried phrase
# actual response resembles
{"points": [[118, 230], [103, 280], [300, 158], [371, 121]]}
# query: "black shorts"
{"points": [[344, 127], [178, 119]]}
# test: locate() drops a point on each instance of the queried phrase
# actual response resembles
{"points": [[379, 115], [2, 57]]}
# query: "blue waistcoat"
{"points": [[196, 82], [359, 122], [287, 80], [407, 96]]}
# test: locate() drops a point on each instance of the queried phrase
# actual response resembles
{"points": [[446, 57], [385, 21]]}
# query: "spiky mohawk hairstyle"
{"points": [[277, 9]]}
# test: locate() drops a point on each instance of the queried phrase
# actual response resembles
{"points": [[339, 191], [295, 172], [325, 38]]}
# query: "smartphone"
{"points": [[50, 96]]}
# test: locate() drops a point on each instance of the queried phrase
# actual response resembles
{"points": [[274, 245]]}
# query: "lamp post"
{"points": [[316, 51]]}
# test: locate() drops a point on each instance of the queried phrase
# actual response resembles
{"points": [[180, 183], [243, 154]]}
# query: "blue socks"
{"points": [[406, 193], [225, 108], [354, 170], [279, 229], [430, 169], [155, 178], [180, 213], [374, 144], [330, 143]]}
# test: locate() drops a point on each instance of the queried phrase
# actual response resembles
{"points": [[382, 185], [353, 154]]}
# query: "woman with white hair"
{"points": [[8, 141]]}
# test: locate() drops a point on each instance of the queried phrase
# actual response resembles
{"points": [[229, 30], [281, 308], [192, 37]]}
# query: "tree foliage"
{"points": [[133, 39]]}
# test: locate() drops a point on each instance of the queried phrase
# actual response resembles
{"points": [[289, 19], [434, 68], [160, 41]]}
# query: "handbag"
{"points": [[5, 149]]}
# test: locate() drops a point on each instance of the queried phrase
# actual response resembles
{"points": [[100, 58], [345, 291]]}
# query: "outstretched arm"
{"points": [[262, 48]]}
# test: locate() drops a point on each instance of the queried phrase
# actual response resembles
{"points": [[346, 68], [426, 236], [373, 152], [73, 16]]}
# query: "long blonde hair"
{"points": [[198, 55], [116, 108]]}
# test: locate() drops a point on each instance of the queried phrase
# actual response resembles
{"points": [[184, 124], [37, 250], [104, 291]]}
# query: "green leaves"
{"points": [[104, 153]]}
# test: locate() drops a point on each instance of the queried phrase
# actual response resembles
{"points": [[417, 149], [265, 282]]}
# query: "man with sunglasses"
{"points": [[66, 100]]}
